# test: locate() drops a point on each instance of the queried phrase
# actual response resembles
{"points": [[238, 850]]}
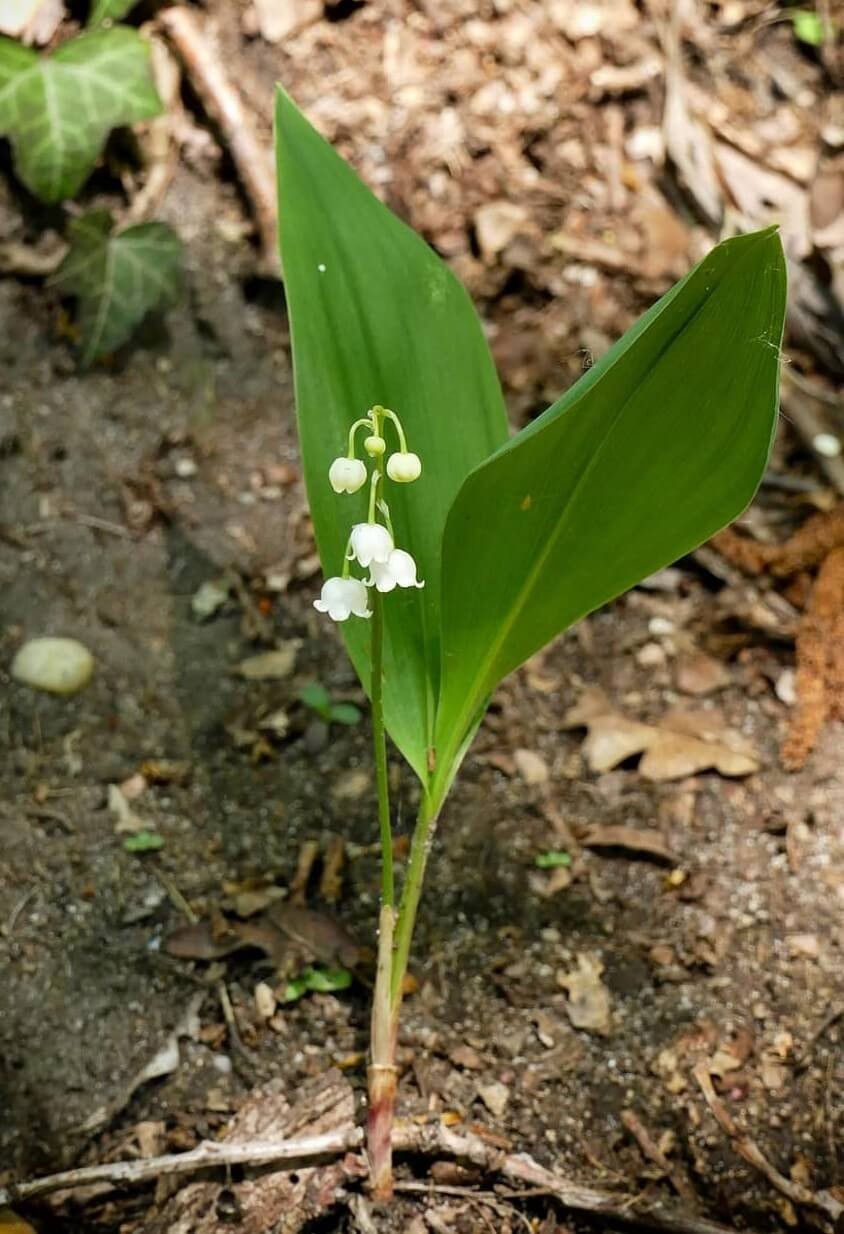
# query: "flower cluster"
{"points": [[370, 544]]}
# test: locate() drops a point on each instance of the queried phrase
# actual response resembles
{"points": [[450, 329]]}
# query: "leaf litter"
{"points": [[682, 744]]}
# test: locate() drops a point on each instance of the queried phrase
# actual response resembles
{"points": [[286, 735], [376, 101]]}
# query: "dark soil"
{"points": [[127, 487]]}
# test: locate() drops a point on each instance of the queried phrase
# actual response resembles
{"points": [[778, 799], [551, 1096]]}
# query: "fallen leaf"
{"points": [[126, 818], [588, 1005], [701, 674], [531, 766], [271, 665], [641, 840], [683, 744], [495, 1097]]}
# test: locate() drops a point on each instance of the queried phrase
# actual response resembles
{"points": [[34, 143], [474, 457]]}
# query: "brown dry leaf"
{"points": [[700, 674], [531, 766], [682, 745], [640, 840], [271, 665], [588, 1005]]}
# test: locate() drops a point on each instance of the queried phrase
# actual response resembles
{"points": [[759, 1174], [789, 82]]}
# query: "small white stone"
{"points": [[264, 1000], [57, 665], [660, 625], [827, 444]]}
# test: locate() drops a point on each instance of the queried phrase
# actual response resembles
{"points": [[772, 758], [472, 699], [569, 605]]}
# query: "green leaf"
{"points": [[294, 990], [143, 842], [58, 110], [345, 713], [327, 980], [315, 696], [653, 450], [109, 10], [118, 278], [552, 859], [808, 27], [376, 317], [318, 981]]}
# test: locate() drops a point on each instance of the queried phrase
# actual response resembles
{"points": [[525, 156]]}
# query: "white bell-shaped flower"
{"points": [[404, 467], [399, 570], [341, 597], [347, 475], [370, 542]]}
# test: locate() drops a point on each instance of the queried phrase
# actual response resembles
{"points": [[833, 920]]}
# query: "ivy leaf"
{"points": [[118, 278], [109, 10], [58, 110]]}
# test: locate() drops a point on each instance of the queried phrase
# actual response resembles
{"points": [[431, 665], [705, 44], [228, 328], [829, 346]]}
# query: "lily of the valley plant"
{"points": [[453, 552]]}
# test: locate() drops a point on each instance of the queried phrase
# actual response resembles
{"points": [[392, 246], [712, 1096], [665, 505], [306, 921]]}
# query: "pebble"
{"points": [[57, 665]]}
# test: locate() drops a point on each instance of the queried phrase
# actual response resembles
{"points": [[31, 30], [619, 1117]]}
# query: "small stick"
{"points": [[750, 1151], [654, 1153], [430, 1140], [207, 1155], [225, 107]]}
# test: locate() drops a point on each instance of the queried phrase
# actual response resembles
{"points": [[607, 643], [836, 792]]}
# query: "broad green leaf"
{"points": [[655, 448], [376, 317], [117, 279], [58, 110], [108, 10]]}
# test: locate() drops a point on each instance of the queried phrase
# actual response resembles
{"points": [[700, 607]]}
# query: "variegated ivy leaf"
{"points": [[109, 10], [117, 279], [58, 110]]}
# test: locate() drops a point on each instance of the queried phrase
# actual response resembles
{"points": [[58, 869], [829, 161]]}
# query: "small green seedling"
{"points": [[809, 27], [552, 860], [316, 981], [318, 699], [454, 551], [143, 842]]}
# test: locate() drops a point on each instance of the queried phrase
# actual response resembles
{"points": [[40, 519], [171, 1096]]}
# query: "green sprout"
{"points": [[316, 697]]}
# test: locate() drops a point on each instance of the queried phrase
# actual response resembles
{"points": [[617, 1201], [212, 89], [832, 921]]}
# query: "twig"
{"points": [[207, 1155], [225, 107], [522, 1169], [750, 1151], [654, 1153], [431, 1140]]}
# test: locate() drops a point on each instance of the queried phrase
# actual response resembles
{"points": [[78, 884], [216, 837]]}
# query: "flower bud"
{"points": [[375, 446], [347, 475], [340, 597], [404, 468]]}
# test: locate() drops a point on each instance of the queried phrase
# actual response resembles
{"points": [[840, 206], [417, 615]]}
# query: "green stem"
{"points": [[423, 836], [379, 741]]}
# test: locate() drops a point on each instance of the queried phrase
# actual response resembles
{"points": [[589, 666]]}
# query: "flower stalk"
{"points": [[371, 546]]}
